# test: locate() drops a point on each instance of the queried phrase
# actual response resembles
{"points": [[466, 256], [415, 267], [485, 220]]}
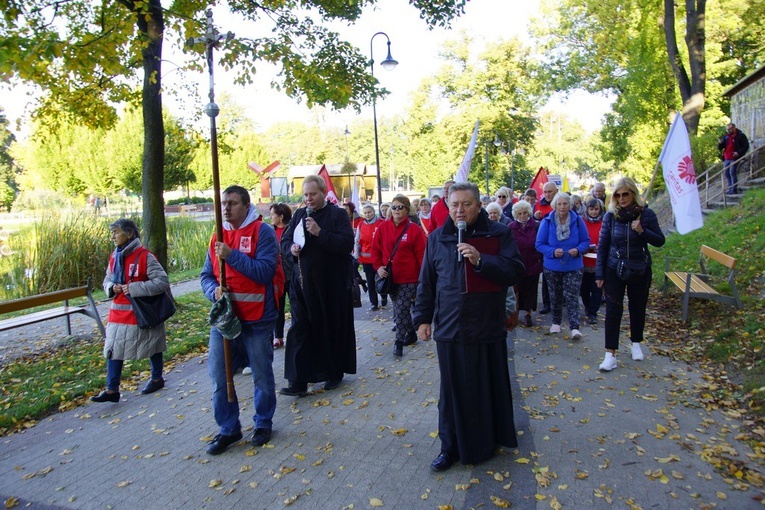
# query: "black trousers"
{"points": [[637, 293]]}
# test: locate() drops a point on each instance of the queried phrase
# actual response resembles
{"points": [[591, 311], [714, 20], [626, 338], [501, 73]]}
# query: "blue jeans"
{"points": [[114, 370], [731, 174], [254, 347]]}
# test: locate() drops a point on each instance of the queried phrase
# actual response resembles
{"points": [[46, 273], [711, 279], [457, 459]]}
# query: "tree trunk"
{"points": [[692, 90], [151, 26]]}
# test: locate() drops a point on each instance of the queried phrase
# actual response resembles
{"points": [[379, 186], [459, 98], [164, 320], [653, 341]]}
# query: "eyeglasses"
{"points": [[622, 195], [501, 196], [397, 207]]}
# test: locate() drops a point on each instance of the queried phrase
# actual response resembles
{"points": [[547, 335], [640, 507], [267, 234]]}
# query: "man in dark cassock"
{"points": [[471, 280], [321, 343]]}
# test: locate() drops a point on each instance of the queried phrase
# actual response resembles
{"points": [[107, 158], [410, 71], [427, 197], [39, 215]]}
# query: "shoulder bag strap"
{"points": [[399, 240]]}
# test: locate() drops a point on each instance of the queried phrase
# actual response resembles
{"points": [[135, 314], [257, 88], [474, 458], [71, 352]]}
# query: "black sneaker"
{"points": [[295, 390], [261, 437], [332, 384], [221, 443]]}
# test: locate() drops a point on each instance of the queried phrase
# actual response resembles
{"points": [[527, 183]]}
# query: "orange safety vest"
{"points": [[247, 297], [121, 311]]}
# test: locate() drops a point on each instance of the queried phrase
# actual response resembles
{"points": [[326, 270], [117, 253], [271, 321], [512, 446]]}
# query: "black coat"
{"points": [[321, 343], [613, 241], [458, 317], [740, 143]]}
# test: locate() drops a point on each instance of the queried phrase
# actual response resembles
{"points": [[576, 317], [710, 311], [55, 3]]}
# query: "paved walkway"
{"points": [[631, 438]]}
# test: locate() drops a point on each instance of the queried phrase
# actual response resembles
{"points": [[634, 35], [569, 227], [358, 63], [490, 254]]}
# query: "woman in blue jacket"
{"points": [[562, 240]]}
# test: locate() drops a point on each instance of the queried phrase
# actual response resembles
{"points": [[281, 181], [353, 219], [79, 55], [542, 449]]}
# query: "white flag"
{"points": [[464, 171], [680, 176]]}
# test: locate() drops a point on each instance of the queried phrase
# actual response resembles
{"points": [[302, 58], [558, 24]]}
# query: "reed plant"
{"points": [[63, 250]]}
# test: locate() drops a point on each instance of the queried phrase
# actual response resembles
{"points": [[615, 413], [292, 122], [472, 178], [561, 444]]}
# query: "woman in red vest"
{"points": [[132, 270], [590, 292], [425, 207], [363, 252], [281, 214]]}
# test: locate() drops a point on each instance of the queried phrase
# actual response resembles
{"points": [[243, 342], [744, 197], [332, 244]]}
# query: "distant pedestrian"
{"points": [[321, 343], [494, 210], [253, 282], [424, 214], [461, 304], [384, 210], [542, 208], [562, 240], [591, 293], [408, 241], [628, 228], [133, 270], [733, 145], [599, 192], [524, 230], [505, 201], [363, 252], [440, 210], [281, 214]]}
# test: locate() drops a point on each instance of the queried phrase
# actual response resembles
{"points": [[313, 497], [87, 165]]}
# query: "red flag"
{"points": [[331, 195], [539, 181]]}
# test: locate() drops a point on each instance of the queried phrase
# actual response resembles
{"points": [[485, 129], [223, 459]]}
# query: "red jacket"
{"points": [[411, 250], [545, 208], [438, 214]]}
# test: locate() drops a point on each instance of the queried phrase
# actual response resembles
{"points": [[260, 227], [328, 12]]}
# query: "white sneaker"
{"points": [[576, 334], [609, 363], [246, 371], [555, 328], [637, 352]]}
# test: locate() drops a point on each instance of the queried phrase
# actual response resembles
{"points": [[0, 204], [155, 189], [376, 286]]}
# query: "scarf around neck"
{"points": [[562, 229], [629, 213]]}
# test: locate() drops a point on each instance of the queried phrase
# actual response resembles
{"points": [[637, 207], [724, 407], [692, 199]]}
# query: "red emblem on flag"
{"points": [[686, 170]]}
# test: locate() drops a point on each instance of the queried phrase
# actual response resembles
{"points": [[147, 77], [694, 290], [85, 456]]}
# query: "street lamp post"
{"points": [[388, 64]]}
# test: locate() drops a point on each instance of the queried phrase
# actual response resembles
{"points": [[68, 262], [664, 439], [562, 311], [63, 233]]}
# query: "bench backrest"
{"points": [[42, 299], [718, 256]]}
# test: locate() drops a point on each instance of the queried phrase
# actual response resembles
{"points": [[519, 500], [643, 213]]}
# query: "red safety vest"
{"points": [[366, 233], [121, 311], [247, 297]]}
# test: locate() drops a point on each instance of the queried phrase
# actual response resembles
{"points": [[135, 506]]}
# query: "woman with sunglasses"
{"points": [[624, 264], [405, 266], [504, 199]]}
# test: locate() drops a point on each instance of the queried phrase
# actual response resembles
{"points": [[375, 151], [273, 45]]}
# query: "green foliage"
{"points": [[193, 200], [33, 387], [188, 242]]}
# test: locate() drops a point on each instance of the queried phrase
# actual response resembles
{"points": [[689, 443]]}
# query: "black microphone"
{"points": [[308, 211], [461, 227]]}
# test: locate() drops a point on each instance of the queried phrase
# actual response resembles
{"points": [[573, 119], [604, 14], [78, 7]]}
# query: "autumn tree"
{"points": [[7, 165], [88, 56]]}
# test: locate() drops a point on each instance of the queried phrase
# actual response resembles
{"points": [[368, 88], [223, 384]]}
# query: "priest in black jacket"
{"points": [[321, 343], [462, 303]]}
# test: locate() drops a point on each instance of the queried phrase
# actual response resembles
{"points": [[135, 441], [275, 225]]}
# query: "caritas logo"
{"points": [[686, 170]]}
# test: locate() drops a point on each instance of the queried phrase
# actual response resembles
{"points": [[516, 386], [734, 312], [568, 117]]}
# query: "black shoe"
{"points": [[398, 350], [592, 319], [261, 437], [374, 308], [295, 390], [153, 386], [545, 310], [221, 443], [332, 384], [106, 397], [527, 321], [384, 303], [393, 328], [443, 462]]}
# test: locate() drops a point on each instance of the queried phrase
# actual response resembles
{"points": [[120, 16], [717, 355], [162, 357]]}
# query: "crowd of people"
{"points": [[454, 267]]}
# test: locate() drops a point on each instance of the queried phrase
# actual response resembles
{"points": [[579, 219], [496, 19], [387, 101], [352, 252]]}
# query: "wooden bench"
{"points": [[26, 303], [697, 285]]}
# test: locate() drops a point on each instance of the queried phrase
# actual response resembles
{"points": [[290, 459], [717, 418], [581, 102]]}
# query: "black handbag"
{"points": [[151, 311], [629, 270], [385, 285]]}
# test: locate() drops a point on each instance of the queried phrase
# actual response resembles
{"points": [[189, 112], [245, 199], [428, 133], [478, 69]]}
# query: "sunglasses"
{"points": [[397, 207], [622, 195], [501, 196]]}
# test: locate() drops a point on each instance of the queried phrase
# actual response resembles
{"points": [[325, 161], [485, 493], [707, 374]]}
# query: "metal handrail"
{"points": [[754, 161]]}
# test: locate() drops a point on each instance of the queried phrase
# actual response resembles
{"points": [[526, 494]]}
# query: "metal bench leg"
{"points": [[686, 296], [68, 322]]}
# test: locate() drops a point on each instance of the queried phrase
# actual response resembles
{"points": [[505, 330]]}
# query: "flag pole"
{"points": [[650, 184], [211, 38]]}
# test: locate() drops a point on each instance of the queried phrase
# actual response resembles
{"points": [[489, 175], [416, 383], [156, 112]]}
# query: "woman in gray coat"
{"points": [[133, 270]]}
